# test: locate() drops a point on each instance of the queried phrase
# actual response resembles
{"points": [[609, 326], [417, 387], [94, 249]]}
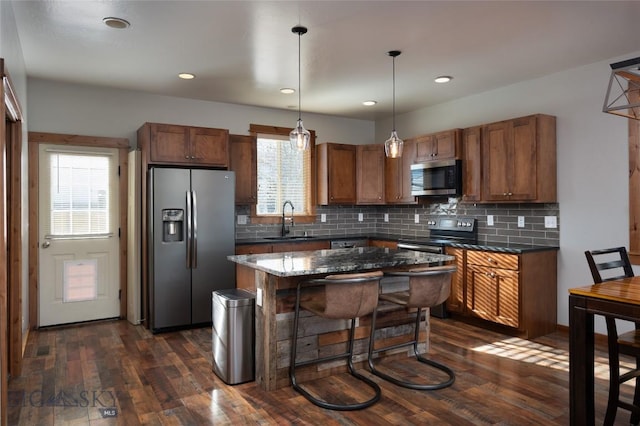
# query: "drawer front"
{"points": [[493, 260]]}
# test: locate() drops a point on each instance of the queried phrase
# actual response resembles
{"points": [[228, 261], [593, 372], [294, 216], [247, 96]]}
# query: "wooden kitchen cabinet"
{"points": [[397, 176], [514, 290], [456, 300], [493, 287], [519, 160], [472, 164], [243, 161], [438, 146], [336, 173], [370, 174], [172, 144]]}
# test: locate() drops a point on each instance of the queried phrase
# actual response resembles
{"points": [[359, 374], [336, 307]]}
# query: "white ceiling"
{"points": [[244, 51]]}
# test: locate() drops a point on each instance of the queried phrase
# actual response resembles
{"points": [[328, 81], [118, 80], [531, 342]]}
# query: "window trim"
{"points": [[254, 130]]}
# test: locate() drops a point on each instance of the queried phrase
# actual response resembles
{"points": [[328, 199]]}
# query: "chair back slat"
{"points": [[609, 264]]}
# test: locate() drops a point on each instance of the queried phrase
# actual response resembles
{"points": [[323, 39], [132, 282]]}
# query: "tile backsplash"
{"points": [[344, 221]]}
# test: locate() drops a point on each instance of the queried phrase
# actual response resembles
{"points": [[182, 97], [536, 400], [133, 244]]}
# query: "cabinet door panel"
{"points": [[342, 174], [425, 147], [456, 300], [523, 159], [370, 177], [492, 294], [243, 161], [209, 146], [496, 161], [471, 164], [169, 144], [445, 145]]}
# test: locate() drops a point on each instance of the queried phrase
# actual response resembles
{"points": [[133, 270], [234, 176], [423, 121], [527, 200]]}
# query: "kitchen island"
{"points": [[276, 277]]}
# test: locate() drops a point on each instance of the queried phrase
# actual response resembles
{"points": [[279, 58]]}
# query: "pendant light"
{"points": [[299, 136], [393, 145]]}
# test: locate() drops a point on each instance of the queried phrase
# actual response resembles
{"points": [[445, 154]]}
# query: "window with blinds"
{"points": [[79, 195], [284, 173]]}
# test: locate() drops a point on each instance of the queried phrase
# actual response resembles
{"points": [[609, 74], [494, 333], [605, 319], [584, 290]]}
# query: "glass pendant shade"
{"points": [[300, 137], [393, 146]]}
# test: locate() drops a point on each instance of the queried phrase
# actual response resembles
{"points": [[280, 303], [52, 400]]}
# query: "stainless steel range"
{"points": [[444, 231]]}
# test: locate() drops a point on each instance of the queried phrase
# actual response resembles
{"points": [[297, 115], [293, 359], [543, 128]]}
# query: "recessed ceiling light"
{"points": [[369, 103], [118, 23], [443, 79], [186, 76], [287, 90]]}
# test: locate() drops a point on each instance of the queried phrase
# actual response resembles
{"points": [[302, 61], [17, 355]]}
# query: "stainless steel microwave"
{"points": [[437, 178]]}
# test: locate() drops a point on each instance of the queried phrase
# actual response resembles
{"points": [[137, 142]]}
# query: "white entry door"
{"points": [[78, 234]]}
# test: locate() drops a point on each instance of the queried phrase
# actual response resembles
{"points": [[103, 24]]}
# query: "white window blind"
{"points": [[79, 195], [284, 173]]}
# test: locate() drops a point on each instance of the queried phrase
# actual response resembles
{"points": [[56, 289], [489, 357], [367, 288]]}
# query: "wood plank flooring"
{"points": [[116, 373]]}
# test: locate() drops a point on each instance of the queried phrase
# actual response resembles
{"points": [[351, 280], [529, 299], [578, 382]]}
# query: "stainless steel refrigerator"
{"points": [[191, 231]]}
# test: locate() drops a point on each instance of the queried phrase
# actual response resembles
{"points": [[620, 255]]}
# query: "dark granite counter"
{"points": [[497, 246], [302, 263], [502, 247]]}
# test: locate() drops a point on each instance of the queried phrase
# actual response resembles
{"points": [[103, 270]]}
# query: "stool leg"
{"points": [[420, 358], [348, 355]]}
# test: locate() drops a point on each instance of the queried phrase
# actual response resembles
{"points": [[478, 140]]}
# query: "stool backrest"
{"points": [[351, 295], [609, 264], [429, 286]]}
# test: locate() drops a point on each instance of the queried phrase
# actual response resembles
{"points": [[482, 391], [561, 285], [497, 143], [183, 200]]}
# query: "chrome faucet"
{"points": [[284, 231]]}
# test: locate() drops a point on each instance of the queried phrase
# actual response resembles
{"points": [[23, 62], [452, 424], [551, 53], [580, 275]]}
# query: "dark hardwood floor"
{"points": [[117, 373]]}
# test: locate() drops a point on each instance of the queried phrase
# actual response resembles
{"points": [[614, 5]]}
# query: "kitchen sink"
{"points": [[301, 237]]}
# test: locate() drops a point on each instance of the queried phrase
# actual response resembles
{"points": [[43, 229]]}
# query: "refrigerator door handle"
{"points": [[188, 233], [194, 256]]}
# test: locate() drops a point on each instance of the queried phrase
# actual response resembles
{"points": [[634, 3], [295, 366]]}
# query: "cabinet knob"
{"points": [[193, 157], [186, 157], [510, 194], [490, 260]]}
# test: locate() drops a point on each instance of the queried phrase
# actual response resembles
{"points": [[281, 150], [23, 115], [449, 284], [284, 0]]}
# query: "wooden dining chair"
{"points": [[607, 265]]}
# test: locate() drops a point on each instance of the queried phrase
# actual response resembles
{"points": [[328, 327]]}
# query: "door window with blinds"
{"points": [[284, 173], [80, 195]]}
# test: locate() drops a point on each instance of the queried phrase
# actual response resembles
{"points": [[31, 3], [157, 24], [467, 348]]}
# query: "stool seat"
{"points": [[346, 296], [428, 287]]}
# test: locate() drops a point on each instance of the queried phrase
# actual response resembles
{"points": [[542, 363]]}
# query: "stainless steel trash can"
{"points": [[233, 339]]}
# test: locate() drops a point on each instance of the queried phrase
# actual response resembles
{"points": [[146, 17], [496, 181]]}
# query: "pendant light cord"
{"points": [[299, 85], [394, 92]]}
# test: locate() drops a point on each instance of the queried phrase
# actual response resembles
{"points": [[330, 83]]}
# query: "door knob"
{"points": [[46, 244]]}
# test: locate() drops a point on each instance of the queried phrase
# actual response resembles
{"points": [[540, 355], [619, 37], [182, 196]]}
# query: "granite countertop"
{"points": [[497, 246], [360, 259]]}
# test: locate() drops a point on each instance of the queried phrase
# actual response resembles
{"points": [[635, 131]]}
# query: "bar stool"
{"points": [[347, 296], [428, 287]]}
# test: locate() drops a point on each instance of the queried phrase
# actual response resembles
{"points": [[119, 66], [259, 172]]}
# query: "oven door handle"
{"points": [[417, 247]]}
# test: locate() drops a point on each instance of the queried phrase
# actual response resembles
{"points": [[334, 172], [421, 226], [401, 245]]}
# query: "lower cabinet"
{"points": [[513, 290]]}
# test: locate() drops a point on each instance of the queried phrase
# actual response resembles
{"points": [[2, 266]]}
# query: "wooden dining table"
{"points": [[618, 298]]}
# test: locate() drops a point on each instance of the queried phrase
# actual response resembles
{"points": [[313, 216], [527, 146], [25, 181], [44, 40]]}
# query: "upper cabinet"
{"points": [[370, 174], [243, 161], [471, 164], [397, 175], [438, 146], [519, 160], [336, 173], [184, 145]]}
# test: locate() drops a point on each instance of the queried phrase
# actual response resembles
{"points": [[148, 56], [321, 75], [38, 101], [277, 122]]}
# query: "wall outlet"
{"points": [[259, 297], [360, 217], [520, 221], [416, 218], [550, 222], [490, 220], [242, 219], [386, 217], [323, 217]]}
